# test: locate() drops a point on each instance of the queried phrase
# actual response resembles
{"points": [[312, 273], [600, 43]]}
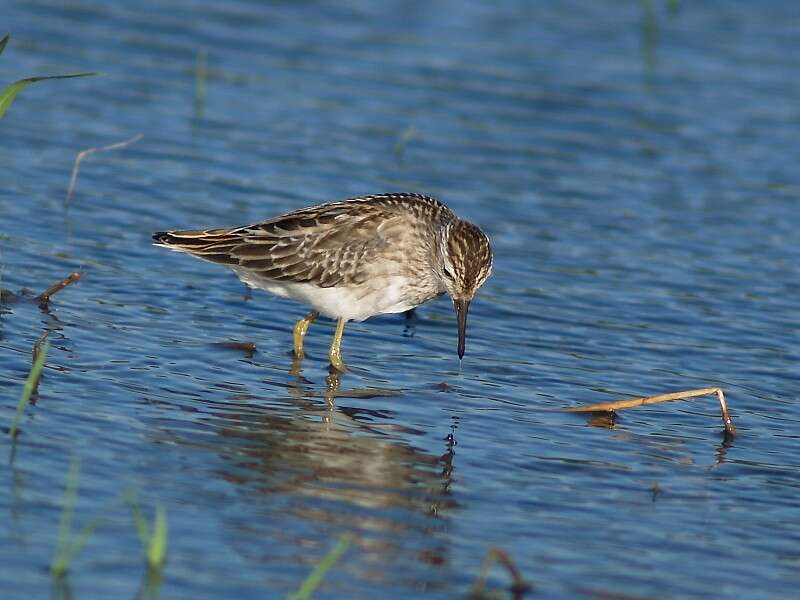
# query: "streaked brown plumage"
{"points": [[353, 259]]}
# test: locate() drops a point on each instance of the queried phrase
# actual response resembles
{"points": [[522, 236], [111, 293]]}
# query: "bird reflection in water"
{"points": [[324, 467]]}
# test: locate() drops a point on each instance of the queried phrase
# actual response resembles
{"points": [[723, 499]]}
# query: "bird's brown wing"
{"points": [[325, 245]]}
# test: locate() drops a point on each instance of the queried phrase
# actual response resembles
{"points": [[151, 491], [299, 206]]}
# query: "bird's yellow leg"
{"points": [[336, 347], [300, 330]]}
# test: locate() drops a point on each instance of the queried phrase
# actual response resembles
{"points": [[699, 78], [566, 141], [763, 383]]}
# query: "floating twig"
{"points": [[44, 298], [730, 430], [519, 587], [83, 154]]}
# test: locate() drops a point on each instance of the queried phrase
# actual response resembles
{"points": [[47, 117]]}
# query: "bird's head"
{"points": [[466, 265]]}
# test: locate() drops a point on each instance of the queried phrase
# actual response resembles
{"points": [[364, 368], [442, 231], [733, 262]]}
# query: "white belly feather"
{"points": [[387, 294]]}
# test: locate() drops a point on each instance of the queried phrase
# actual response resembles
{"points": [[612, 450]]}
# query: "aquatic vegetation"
{"points": [[650, 29], [316, 576], [10, 92], [30, 385], [67, 547], [200, 78], [73, 178], [518, 588], [154, 540]]}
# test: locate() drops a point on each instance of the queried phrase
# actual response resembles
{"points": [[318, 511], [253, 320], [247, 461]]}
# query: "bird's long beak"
{"points": [[462, 306]]}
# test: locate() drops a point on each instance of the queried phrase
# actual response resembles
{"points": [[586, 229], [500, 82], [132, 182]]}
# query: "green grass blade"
{"points": [[138, 519], [64, 558], [60, 564], [30, 384], [4, 41], [9, 93], [157, 549], [313, 581], [63, 555], [154, 542]]}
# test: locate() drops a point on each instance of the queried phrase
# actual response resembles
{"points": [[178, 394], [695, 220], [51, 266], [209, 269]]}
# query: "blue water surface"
{"points": [[635, 165]]}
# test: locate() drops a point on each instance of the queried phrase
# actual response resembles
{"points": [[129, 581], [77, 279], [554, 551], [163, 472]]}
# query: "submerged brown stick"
{"points": [[44, 298], [730, 430], [519, 586], [81, 155]]}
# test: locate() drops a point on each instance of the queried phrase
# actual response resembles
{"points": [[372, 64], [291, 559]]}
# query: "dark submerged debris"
{"points": [[655, 491], [248, 347], [604, 420]]}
